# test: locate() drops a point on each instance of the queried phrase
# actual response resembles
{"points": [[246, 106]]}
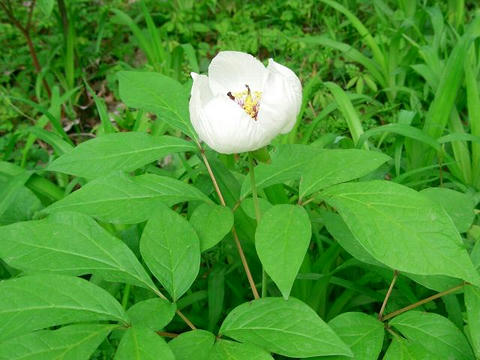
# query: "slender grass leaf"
{"points": [[171, 250], [286, 327], [73, 342], [115, 152], [40, 301], [282, 240]]}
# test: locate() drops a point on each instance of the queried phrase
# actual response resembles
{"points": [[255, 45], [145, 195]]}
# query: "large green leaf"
{"points": [[171, 250], [402, 349], [459, 206], [212, 223], [153, 313], [336, 166], [40, 301], [402, 229], [142, 344], [118, 198], [287, 327], [158, 94], [73, 342], [472, 303], [282, 240], [70, 243], [231, 350], [363, 333], [115, 152], [434, 332], [195, 344]]}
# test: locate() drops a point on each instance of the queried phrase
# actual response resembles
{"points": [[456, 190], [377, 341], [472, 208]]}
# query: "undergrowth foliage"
{"points": [[356, 239]]}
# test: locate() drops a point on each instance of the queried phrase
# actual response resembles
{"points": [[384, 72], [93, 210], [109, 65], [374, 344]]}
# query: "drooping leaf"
{"points": [[212, 223], [142, 344], [171, 250], [152, 314], [73, 244], [459, 206], [336, 166], [231, 350], [195, 344], [159, 94], [402, 229], [73, 342], [435, 333], [118, 198], [117, 152], [286, 327], [363, 333], [40, 301], [282, 240]]}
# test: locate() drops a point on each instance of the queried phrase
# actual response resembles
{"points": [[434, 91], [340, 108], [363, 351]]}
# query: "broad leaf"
{"points": [[212, 223], [434, 332], [171, 250], [195, 344], [472, 303], [286, 327], [459, 206], [73, 342], [142, 344], [402, 229], [40, 301], [363, 333], [158, 94], [152, 314], [118, 198], [336, 166], [402, 349], [282, 240], [231, 350], [70, 243], [114, 152]]}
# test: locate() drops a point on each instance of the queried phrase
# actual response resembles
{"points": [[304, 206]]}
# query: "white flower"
{"points": [[242, 105]]}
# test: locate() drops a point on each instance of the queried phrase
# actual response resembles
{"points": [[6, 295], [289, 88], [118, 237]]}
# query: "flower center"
{"points": [[250, 102]]}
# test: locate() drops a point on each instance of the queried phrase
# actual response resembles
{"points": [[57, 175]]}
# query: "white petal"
{"points": [[281, 99], [229, 129], [232, 70], [200, 96]]}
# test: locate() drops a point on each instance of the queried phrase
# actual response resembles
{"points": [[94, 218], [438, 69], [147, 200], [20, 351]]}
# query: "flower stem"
{"points": [[258, 214], [424, 301], [234, 232]]}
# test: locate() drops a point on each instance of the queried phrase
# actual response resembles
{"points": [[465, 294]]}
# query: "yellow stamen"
{"points": [[248, 101]]}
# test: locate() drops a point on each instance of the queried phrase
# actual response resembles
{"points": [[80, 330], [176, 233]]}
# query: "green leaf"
{"points": [[118, 198], [40, 301], [195, 344], [117, 152], [363, 333], [472, 303], [73, 342], [73, 244], [171, 250], [286, 327], [159, 94], [152, 314], [22, 206], [402, 229], [282, 240], [230, 350], [434, 332], [142, 344], [46, 6], [288, 163], [212, 223], [402, 349], [336, 166], [10, 190], [459, 206], [249, 207]]}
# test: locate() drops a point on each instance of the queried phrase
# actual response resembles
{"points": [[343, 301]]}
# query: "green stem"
{"points": [[258, 214], [126, 295]]}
